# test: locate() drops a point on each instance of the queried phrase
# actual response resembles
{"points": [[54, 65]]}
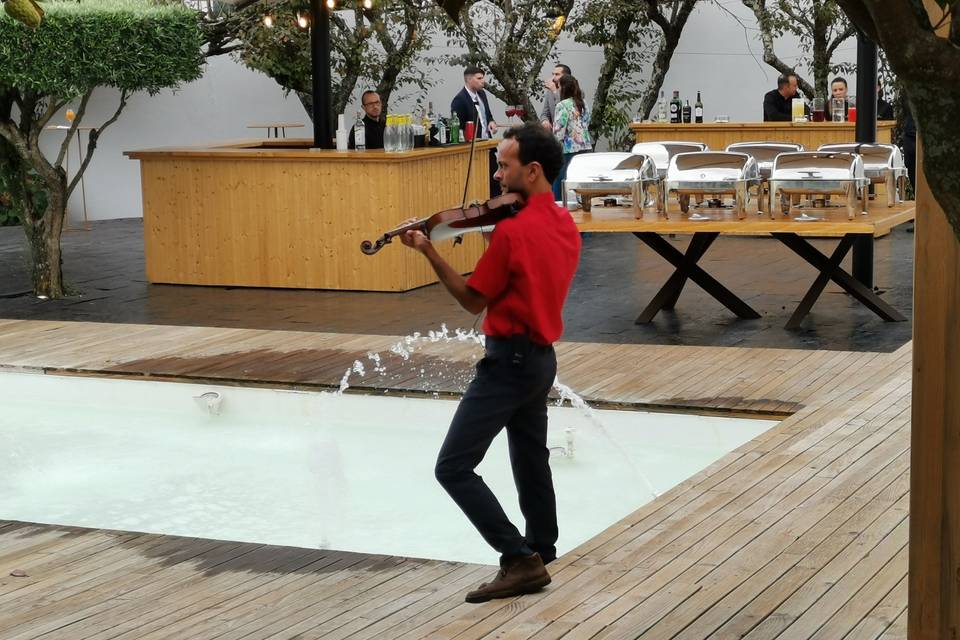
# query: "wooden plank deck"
{"points": [[800, 533], [774, 381]]}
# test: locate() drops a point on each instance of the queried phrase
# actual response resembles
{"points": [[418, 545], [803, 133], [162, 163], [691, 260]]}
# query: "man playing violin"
{"points": [[522, 280]]}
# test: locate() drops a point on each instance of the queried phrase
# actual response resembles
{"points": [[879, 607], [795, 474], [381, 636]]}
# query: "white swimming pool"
{"points": [[308, 469]]}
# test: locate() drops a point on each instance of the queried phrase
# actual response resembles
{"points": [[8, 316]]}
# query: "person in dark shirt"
{"points": [[374, 125], [884, 109], [777, 104]]}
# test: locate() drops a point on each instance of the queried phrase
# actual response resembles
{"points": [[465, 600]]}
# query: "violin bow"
{"points": [[466, 182], [473, 144]]}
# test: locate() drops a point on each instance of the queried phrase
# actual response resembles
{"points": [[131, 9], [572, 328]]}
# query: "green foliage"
{"points": [[629, 42], [132, 45], [10, 198], [128, 44], [512, 41], [376, 47]]}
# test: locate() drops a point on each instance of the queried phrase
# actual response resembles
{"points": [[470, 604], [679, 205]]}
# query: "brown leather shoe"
{"points": [[517, 576]]}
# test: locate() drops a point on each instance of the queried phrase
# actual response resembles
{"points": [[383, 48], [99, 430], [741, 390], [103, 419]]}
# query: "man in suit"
{"points": [[472, 102], [471, 105]]}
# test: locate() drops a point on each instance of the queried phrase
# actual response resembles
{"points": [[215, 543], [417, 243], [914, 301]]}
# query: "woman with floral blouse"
{"points": [[571, 124]]}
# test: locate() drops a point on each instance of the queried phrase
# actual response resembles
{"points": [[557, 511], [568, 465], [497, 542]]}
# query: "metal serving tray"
{"points": [[661, 152], [882, 164], [600, 174], [818, 172], [710, 173]]}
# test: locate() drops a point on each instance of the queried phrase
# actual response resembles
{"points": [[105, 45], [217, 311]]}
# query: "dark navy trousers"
{"points": [[509, 391]]}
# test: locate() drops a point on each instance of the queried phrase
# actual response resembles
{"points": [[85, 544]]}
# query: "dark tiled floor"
{"points": [[617, 277]]}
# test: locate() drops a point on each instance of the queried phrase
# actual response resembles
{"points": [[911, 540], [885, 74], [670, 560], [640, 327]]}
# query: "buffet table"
{"points": [[275, 213]]}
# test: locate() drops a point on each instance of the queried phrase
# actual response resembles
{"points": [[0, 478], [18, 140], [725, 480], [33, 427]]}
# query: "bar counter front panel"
{"points": [[250, 215]]}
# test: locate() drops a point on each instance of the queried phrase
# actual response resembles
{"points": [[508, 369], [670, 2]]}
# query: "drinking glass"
{"points": [[818, 113], [838, 109], [852, 108], [798, 110]]}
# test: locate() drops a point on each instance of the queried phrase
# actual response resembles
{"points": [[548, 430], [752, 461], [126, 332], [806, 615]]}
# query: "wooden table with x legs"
{"points": [[832, 223]]}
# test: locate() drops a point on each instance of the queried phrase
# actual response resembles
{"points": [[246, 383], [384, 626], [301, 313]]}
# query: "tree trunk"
{"points": [[821, 59], [43, 235], [613, 58], [660, 67]]}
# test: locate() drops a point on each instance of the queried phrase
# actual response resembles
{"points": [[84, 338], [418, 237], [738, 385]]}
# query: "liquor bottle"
{"points": [[454, 128], [360, 133], [698, 110], [441, 132], [428, 123], [662, 109], [686, 112], [675, 106]]}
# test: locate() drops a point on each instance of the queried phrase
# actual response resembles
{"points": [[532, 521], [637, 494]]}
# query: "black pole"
{"points": [[320, 69], [866, 131], [866, 89]]}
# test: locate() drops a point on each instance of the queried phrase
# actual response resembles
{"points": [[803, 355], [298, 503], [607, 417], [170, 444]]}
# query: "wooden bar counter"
{"points": [[717, 135], [275, 213]]}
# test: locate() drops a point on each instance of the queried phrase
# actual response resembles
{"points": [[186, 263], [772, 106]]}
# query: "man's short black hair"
{"points": [[784, 79], [536, 144], [472, 70], [363, 96], [838, 79], [566, 69]]}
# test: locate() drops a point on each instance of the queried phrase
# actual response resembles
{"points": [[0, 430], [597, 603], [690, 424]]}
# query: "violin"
{"points": [[453, 222]]}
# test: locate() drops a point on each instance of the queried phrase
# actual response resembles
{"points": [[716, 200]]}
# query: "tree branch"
{"points": [[92, 142], [788, 9], [859, 15], [65, 147], [909, 40], [848, 32]]}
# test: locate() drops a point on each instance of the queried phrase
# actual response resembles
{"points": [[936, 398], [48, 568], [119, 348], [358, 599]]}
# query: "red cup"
{"points": [[851, 114], [468, 132]]}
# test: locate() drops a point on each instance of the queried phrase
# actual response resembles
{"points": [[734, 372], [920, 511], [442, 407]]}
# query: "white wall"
{"points": [[716, 55]]}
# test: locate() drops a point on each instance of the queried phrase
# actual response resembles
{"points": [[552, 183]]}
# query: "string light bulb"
{"points": [[331, 4], [368, 4], [268, 21], [303, 21]]}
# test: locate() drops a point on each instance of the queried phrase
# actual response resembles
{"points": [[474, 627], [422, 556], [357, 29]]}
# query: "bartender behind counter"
{"points": [[777, 104], [373, 123]]}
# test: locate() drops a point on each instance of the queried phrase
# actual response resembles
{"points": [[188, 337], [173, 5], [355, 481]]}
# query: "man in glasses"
{"points": [[372, 108]]}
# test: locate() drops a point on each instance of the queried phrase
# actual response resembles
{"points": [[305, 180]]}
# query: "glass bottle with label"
{"points": [[686, 113], [698, 110], [675, 107], [359, 133]]}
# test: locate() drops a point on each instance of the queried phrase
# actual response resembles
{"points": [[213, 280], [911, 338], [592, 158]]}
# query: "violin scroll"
{"points": [[371, 248]]}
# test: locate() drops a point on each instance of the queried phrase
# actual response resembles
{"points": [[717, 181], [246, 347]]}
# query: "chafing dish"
{"points": [[600, 174], [661, 152], [882, 164], [818, 172], [764, 153], [712, 173]]}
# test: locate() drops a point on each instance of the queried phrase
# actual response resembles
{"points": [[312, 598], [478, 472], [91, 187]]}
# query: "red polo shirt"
{"points": [[526, 271]]}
